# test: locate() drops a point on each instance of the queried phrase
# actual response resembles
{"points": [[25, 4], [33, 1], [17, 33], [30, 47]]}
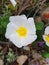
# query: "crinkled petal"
{"points": [[24, 17], [30, 25], [45, 40], [29, 39], [47, 43], [18, 20], [11, 28], [44, 37], [47, 30], [31, 22], [16, 40]]}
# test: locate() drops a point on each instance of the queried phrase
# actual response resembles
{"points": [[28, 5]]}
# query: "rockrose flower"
{"points": [[46, 36], [21, 31]]}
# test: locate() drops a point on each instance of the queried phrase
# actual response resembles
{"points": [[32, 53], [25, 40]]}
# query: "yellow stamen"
{"points": [[22, 31], [47, 38]]}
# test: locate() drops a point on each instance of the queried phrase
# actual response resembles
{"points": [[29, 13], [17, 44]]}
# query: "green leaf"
{"points": [[11, 56], [4, 21], [39, 30], [39, 25], [46, 47], [3, 24], [45, 54]]}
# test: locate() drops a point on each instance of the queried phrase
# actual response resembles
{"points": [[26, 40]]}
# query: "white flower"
{"points": [[13, 2], [21, 31], [46, 36]]}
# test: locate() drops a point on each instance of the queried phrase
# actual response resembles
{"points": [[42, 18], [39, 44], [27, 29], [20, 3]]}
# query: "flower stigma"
{"points": [[47, 38], [22, 31]]}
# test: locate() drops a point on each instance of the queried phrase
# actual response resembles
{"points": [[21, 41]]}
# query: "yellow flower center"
{"points": [[47, 38], [22, 31]]}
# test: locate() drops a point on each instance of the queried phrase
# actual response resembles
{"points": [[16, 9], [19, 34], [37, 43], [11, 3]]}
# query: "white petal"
{"points": [[45, 40], [47, 30], [24, 16], [31, 22], [16, 40], [18, 20], [13, 2], [44, 37], [30, 29], [47, 44], [11, 28], [29, 39]]}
